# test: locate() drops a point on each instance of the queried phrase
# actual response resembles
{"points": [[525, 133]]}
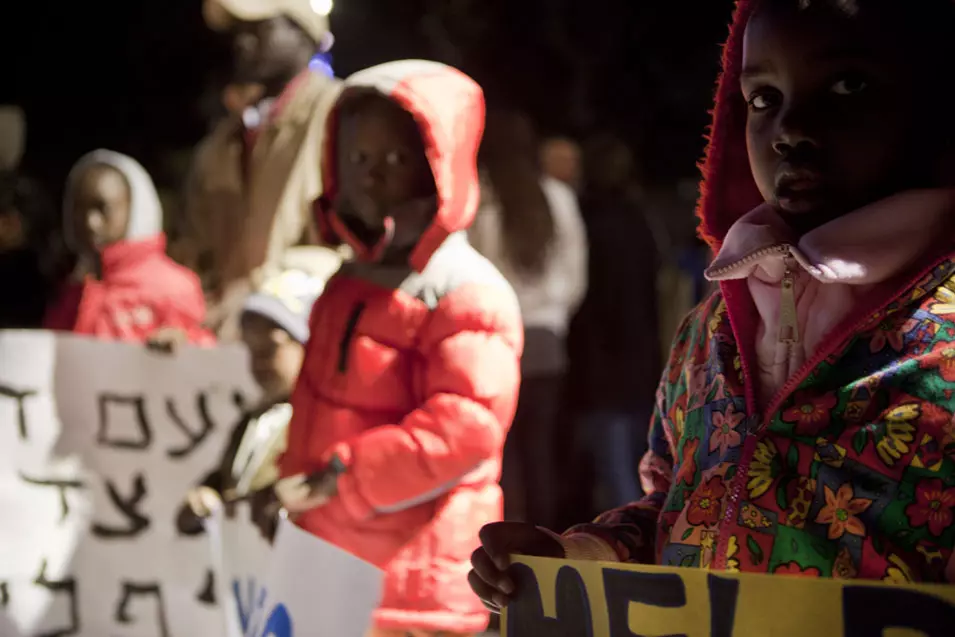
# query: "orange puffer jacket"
{"points": [[411, 377]]}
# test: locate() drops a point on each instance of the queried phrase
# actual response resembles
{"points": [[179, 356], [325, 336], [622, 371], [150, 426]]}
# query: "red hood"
{"points": [[728, 190], [449, 109]]}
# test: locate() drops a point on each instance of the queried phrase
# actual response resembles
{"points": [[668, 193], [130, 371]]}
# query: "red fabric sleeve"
{"points": [[469, 379]]}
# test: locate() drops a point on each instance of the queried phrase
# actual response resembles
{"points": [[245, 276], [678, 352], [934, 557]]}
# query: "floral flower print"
{"points": [[810, 414], [706, 503], [687, 471], [897, 433], [887, 333], [792, 568], [762, 470], [714, 323], [697, 386], [929, 455], [725, 435], [732, 553], [941, 357], [841, 511], [946, 302], [932, 507], [898, 572], [752, 518]]}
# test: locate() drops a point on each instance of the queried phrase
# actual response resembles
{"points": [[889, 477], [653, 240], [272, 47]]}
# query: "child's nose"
{"points": [[795, 129], [94, 221]]}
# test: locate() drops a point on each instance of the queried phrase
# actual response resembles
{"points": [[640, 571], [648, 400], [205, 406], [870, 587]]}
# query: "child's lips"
{"points": [[799, 189]]}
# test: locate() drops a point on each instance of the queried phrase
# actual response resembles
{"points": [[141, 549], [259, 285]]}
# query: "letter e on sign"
{"points": [[663, 590]]}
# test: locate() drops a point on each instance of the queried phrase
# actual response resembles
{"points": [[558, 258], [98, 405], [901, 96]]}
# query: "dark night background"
{"points": [[139, 76]]}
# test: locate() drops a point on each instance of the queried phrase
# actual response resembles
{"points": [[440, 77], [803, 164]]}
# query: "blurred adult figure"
{"points": [[32, 256], [255, 177], [529, 226], [614, 338], [560, 159]]}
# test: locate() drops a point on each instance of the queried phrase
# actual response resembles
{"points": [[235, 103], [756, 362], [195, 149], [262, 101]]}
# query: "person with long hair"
{"points": [[530, 227]]}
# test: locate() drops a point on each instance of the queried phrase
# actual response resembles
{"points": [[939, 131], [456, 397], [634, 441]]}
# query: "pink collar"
{"points": [[867, 246]]}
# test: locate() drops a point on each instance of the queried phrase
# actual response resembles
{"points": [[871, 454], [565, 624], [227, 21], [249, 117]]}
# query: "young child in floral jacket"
{"points": [[804, 423]]}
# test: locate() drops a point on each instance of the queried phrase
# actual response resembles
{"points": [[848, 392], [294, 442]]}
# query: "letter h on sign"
{"points": [[525, 614]]}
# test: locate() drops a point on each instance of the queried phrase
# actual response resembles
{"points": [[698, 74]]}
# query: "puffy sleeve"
{"points": [[468, 380]]}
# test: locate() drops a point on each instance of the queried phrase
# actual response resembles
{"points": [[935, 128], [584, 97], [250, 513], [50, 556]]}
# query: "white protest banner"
{"points": [[301, 587], [98, 444]]}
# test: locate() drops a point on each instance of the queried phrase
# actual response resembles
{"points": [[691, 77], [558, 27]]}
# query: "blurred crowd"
{"points": [[602, 265], [602, 272]]}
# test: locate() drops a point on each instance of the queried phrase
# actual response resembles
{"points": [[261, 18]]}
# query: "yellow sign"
{"points": [[559, 598]]}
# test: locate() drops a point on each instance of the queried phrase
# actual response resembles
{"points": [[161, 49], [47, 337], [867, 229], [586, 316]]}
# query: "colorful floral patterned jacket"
{"points": [[849, 471]]}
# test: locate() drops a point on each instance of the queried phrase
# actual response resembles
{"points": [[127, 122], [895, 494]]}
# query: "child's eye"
{"points": [[395, 158], [763, 100], [850, 85], [356, 157]]}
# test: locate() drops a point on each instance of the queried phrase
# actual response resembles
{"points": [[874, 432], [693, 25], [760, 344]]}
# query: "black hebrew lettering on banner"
{"points": [[99, 443]]}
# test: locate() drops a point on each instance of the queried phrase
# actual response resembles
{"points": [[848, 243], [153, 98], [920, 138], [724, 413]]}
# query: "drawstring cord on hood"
{"points": [[364, 252]]}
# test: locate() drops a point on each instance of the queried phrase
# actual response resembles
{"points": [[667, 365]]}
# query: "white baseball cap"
{"points": [[310, 15]]}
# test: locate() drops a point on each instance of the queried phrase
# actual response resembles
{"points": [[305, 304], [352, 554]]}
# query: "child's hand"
{"points": [[490, 562], [266, 508], [302, 492], [200, 503], [166, 340]]}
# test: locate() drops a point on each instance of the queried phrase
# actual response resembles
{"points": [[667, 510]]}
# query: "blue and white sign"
{"points": [[300, 587]]}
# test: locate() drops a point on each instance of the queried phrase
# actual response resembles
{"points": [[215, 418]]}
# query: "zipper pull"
{"points": [[788, 323]]}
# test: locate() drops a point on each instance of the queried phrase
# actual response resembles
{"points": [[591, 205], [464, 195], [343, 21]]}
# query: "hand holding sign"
{"points": [[491, 561]]}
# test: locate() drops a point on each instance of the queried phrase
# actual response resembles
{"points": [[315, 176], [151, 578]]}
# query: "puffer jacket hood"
{"points": [[145, 209], [448, 107]]}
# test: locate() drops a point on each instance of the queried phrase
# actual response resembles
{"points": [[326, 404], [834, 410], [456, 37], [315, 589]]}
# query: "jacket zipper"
{"points": [[788, 335], [788, 322], [832, 344], [345, 343], [782, 248]]}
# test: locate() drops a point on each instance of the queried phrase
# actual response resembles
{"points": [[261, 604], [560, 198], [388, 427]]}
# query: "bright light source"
{"points": [[321, 7]]}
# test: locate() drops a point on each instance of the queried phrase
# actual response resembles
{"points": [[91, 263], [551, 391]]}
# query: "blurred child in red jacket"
{"points": [[124, 287]]}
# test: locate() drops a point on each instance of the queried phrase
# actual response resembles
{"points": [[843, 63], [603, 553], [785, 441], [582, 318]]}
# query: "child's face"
{"points": [[100, 208], [831, 107], [382, 172], [276, 357]]}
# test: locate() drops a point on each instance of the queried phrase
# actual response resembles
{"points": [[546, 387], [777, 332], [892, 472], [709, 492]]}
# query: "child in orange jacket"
{"points": [[804, 422], [411, 375]]}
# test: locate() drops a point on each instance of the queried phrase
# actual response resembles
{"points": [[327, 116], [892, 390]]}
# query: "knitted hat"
{"points": [[286, 298]]}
